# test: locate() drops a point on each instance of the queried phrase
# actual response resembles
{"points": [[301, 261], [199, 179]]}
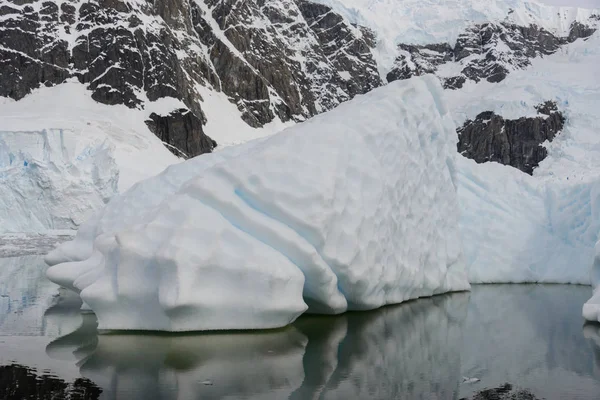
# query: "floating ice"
{"points": [[354, 209]]}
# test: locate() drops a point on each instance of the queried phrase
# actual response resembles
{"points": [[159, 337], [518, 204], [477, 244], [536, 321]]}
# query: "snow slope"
{"points": [[439, 21], [70, 107], [317, 214]]}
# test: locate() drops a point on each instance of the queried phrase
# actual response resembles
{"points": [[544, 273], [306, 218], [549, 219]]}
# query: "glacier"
{"points": [[351, 210], [50, 180]]}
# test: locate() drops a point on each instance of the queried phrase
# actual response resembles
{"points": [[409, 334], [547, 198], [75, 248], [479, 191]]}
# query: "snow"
{"points": [[316, 217], [224, 124], [69, 157], [137, 152]]}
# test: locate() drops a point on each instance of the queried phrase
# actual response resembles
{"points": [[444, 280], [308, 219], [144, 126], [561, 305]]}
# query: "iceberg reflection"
{"points": [[410, 351]]}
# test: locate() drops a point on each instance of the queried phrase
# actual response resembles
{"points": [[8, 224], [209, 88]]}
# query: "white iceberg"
{"points": [[351, 210]]}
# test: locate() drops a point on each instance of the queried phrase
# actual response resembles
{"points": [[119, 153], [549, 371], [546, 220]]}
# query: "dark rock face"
{"points": [[486, 51], [181, 131], [504, 392], [287, 59], [419, 60], [517, 143], [18, 382], [348, 52]]}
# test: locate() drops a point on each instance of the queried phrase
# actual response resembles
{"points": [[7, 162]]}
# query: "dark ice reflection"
{"points": [[409, 351]]}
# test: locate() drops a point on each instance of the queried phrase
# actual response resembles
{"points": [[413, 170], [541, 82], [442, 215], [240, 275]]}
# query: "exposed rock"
{"points": [[517, 143], [347, 49], [19, 382], [283, 59], [182, 132], [419, 60], [504, 392], [486, 51]]}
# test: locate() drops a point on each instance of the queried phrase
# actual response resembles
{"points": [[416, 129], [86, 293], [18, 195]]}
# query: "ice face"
{"points": [[518, 229], [51, 179], [352, 210]]}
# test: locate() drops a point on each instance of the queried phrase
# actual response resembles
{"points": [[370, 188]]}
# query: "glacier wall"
{"points": [[351, 210], [50, 179], [519, 229]]}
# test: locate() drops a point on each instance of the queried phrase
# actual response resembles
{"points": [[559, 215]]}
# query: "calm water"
{"points": [[531, 336]]}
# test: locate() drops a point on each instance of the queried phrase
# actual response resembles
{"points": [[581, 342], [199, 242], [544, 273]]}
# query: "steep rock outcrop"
{"points": [[487, 51], [517, 143], [181, 131]]}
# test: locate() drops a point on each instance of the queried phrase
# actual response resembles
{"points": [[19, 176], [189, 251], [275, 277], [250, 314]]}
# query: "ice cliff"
{"points": [[351, 210], [50, 181]]}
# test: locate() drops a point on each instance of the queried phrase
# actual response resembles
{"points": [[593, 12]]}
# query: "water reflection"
{"points": [[18, 382], [591, 331], [24, 296], [530, 336], [410, 352]]}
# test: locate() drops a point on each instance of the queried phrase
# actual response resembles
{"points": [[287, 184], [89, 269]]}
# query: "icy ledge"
{"points": [[352, 210]]}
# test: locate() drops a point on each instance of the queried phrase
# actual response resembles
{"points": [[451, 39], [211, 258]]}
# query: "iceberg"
{"points": [[351, 210]]}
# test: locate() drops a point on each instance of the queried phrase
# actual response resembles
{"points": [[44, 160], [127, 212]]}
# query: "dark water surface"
{"points": [[531, 336]]}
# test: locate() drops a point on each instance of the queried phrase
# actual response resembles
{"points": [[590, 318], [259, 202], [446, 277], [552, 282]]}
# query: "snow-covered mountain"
{"points": [[153, 82], [279, 60], [430, 22]]}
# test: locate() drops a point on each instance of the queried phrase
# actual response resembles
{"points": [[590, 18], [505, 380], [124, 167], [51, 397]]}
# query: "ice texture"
{"points": [[50, 179], [351, 210], [519, 229]]}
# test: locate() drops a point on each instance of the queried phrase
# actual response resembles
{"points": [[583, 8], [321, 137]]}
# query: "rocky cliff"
{"points": [[517, 143], [285, 59]]}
